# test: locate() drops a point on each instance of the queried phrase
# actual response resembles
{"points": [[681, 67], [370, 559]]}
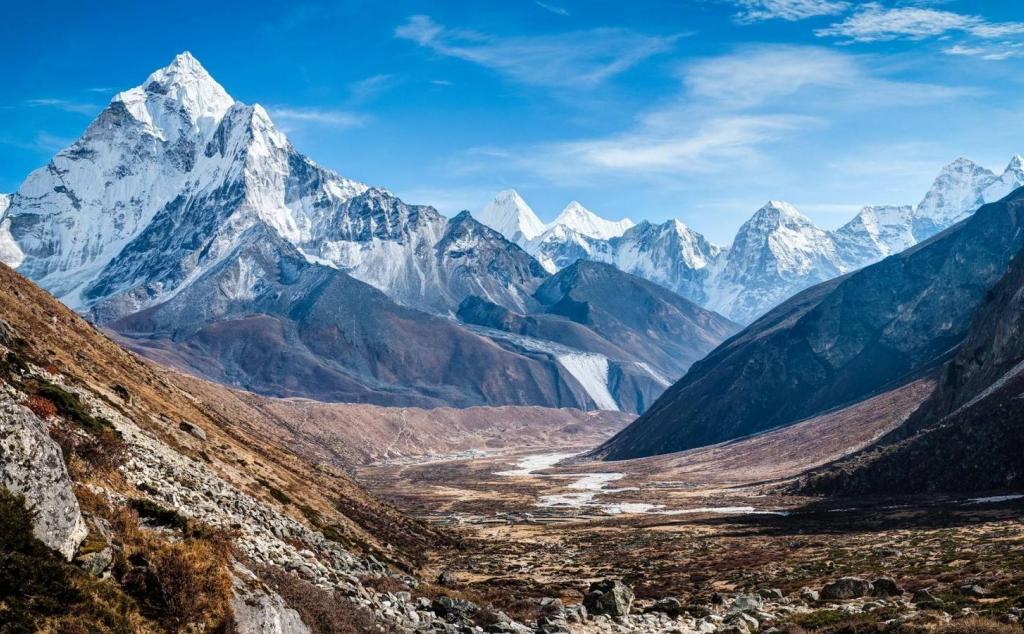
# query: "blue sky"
{"points": [[699, 110]]}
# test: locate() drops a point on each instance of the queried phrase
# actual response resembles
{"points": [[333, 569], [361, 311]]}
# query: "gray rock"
{"points": [[846, 588], [192, 430], [885, 587], [743, 622], [746, 603], [770, 593], [925, 596], [447, 578], [552, 608], [259, 610], [973, 590], [669, 605], [96, 563], [610, 597], [809, 595], [32, 464]]}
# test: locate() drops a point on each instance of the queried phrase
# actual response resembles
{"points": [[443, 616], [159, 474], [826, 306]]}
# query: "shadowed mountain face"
{"points": [[267, 320], [836, 343], [969, 435]]}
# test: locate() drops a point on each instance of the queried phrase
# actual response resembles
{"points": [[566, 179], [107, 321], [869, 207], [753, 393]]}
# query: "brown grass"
{"points": [[323, 612]]}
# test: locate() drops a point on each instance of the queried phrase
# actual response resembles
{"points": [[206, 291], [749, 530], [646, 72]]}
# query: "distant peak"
{"points": [[583, 221], [509, 215], [780, 208], [1016, 164]]}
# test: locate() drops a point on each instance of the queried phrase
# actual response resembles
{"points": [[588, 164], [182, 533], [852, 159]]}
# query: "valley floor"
{"points": [[694, 525]]}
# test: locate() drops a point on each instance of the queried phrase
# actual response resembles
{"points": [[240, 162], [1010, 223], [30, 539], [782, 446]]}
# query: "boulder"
{"points": [[669, 605], [259, 610], [447, 578], [772, 594], [809, 595], [973, 590], [192, 430], [610, 597], [885, 587], [846, 588], [746, 603], [32, 464]]}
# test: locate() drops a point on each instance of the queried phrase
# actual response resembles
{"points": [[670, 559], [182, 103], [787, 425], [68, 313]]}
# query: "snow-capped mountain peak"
{"points": [[956, 192], [182, 87], [1011, 178], [509, 215], [582, 220]]}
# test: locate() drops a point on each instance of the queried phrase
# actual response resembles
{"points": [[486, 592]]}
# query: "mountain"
{"points": [[215, 246], [585, 222], [638, 335], [966, 438], [9, 250], [509, 215], [119, 465], [836, 343], [778, 252], [775, 253]]}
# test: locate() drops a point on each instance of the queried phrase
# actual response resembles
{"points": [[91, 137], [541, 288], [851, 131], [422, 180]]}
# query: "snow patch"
{"points": [[591, 371]]}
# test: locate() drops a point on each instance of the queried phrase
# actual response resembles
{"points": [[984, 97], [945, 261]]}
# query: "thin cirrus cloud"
{"points": [[873, 22], [581, 58], [731, 108], [789, 10], [65, 105], [340, 119]]}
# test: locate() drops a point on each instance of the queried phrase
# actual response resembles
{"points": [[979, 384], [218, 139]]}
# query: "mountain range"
{"points": [[849, 339], [775, 254], [187, 223]]}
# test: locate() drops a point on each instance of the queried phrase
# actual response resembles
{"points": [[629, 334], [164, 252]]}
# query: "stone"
{"points": [[973, 590], [770, 593], [32, 464], [846, 588], [192, 430], [743, 621], [610, 597], [885, 587], [809, 595], [669, 605], [552, 608], [746, 603], [259, 610], [447, 578]]}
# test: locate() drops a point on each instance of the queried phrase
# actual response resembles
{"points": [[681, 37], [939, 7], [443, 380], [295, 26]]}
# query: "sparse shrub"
{"points": [[978, 626], [41, 406], [87, 454], [71, 406], [39, 591], [275, 492]]}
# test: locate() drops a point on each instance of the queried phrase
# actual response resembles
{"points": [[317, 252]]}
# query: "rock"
{"points": [[552, 608], [447, 578], [259, 610], [846, 588], [6, 335], [96, 563], [925, 596], [669, 605], [576, 614], [453, 610], [885, 587], [742, 621], [770, 593], [191, 429], [973, 590], [745, 603], [809, 595], [32, 464], [610, 597]]}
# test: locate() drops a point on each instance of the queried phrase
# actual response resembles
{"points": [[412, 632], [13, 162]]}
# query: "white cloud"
{"points": [[76, 107], [317, 116], [366, 89], [582, 58], [875, 23], [1005, 50], [730, 109], [557, 10], [791, 10]]}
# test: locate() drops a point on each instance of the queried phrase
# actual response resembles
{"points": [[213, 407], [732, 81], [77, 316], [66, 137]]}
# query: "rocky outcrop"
{"points": [[260, 610], [31, 464], [610, 597]]}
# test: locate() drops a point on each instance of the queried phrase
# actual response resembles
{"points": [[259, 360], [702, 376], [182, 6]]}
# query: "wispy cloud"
{"points": [[873, 22], [581, 58], [729, 110], [65, 105], [317, 116], [441, 82], [998, 52], [557, 10], [790, 10], [42, 142], [366, 89]]}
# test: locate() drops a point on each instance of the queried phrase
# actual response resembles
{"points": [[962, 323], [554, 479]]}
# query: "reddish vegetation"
{"points": [[41, 406]]}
